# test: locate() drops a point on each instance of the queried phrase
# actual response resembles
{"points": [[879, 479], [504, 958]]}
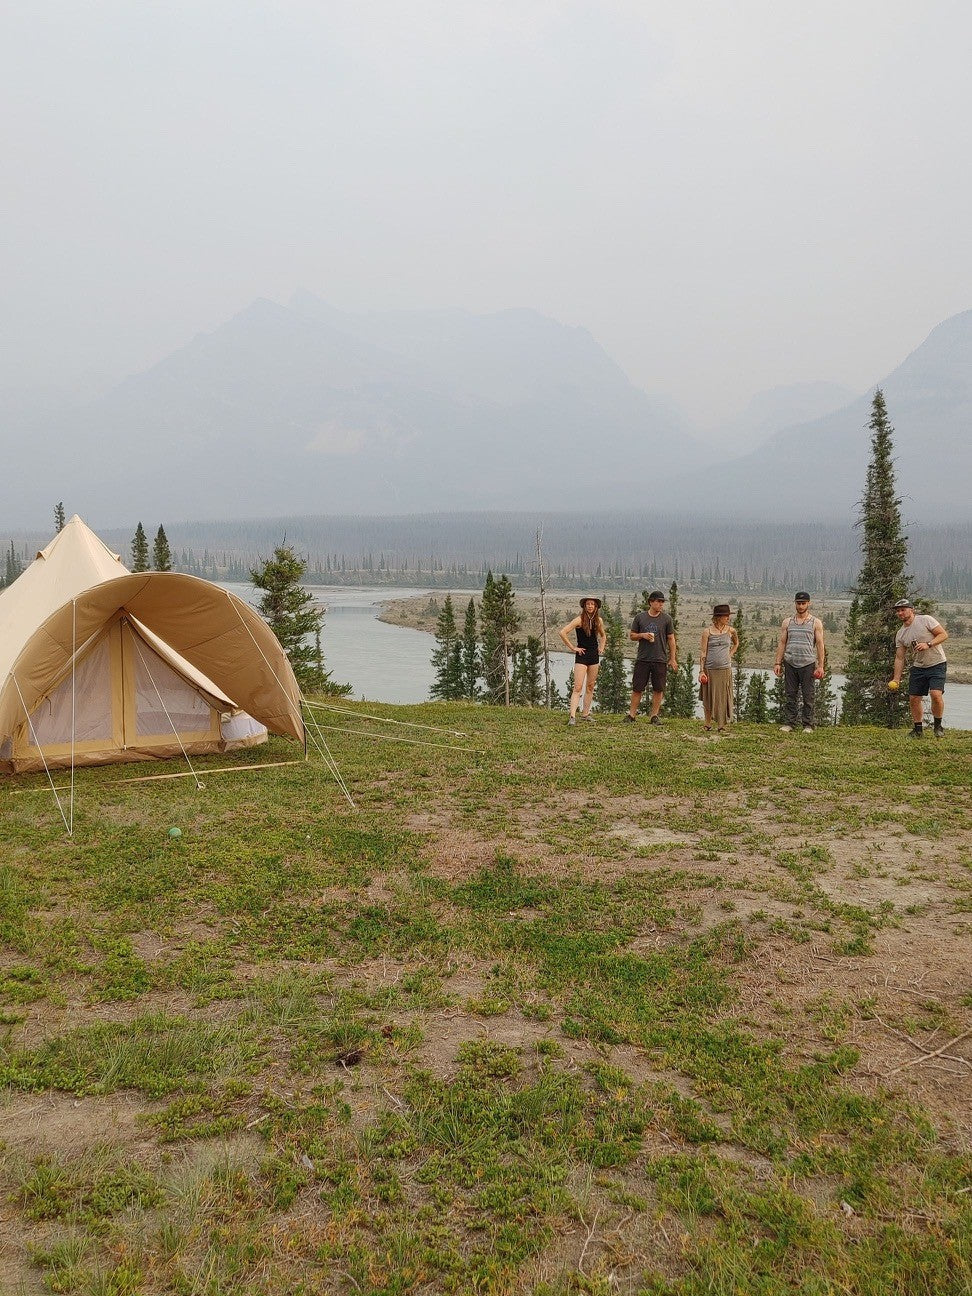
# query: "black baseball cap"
{"points": [[656, 594], [801, 596], [903, 603]]}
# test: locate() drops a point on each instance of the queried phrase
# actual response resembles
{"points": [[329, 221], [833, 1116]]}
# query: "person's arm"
{"points": [[780, 648], [733, 641], [818, 641], [672, 653], [565, 631], [601, 639], [939, 635]]}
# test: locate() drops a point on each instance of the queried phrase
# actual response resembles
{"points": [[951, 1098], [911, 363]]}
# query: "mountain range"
{"points": [[301, 408]]}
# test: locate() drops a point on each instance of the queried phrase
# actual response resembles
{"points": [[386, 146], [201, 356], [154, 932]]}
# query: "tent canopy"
{"points": [[76, 590]]}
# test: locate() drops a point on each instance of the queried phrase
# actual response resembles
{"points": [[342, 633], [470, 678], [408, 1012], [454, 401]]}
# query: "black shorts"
{"points": [[923, 678], [587, 659], [656, 670]]}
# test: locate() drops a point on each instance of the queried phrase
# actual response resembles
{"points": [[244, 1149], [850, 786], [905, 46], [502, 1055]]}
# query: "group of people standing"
{"points": [[800, 655]]}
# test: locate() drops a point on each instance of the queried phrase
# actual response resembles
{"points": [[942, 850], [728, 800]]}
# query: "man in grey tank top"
{"points": [[800, 658]]}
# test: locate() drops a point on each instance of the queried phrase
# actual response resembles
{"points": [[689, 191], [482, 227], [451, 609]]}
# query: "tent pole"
{"points": [[165, 709]]}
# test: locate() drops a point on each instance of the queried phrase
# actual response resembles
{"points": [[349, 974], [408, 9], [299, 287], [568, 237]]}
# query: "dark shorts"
{"points": [[923, 678], [657, 670], [587, 659]]}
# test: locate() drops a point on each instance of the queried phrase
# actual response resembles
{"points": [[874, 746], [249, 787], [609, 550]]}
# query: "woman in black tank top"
{"points": [[591, 637]]}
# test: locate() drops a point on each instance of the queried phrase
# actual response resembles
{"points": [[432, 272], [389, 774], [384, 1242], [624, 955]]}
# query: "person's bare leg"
{"points": [[917, 705], [575, 697], [635, 704], [657, 696], [937, 703], [589, 690]]}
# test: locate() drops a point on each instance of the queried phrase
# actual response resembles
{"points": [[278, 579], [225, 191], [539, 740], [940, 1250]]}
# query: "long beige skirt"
{"points": [[717, 696]]}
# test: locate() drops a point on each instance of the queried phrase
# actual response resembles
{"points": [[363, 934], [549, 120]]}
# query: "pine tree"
{"points": [[59, 518], [882, 580], [755, 707], [161, 553], [527, 686], [612, 691], [739, 680], [825, 699], [11, 567], [498, 622], [680, 687], [447, 656], [140, 550], [469, 654], [289, 611]]}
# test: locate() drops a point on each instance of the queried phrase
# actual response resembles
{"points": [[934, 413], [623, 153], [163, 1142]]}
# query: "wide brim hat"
{"points": [[722, 609], [589, 598]]}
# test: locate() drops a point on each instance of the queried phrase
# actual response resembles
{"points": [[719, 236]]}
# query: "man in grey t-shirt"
{"points": [[654, 633], [922, 636]]}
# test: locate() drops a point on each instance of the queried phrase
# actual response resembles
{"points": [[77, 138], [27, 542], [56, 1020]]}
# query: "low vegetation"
{"points": [[609, 1010]]}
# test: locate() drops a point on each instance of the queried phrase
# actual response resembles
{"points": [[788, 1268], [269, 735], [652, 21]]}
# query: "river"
{"points": [[389, 663]]}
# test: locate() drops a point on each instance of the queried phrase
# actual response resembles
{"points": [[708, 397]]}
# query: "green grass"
{"points": [[511, 1025]]}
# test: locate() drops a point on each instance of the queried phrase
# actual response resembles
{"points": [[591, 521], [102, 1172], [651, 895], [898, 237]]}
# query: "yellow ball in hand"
{"points": [[893, 685]]}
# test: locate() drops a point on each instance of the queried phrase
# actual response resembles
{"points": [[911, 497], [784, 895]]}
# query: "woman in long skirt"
{"points": [[591, 637], [719, 644]]}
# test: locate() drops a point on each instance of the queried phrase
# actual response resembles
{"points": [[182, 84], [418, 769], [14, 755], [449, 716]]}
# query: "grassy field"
{"points": [[762, 616], [614, 1009]]}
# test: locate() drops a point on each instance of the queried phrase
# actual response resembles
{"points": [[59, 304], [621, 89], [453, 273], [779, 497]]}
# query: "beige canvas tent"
{"points": [[99, 664]]}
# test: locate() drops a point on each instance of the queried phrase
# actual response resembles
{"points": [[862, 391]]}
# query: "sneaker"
{"points": [[588, 717], [786, 728], [630, 719], [654, 720], [915, 733], [939, 731], [571, 720], [808, 728]]}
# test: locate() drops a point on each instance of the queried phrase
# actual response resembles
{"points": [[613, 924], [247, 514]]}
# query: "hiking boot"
{"points": [[588, 717], [915, 733], [630, 719], [939, 731], [808, 728], [654, 720], [786, 728]]}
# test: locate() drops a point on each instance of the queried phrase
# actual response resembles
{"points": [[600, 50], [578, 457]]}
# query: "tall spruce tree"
{"points": [[59, 517], [469, 654], [739, 679], [498, 622], [882, 580], [161, 553], [612, 692], [527, 688], [140, 550], [290, 612], [680, 687], [447, 656]]}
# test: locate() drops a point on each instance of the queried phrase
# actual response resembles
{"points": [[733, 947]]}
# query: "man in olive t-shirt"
{"points": [[654, 633]]}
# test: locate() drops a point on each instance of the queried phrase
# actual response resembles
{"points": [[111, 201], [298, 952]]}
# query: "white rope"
{"points": [[69, 828], [412, 742], [141, 658], [363, 715], [319, 741]]}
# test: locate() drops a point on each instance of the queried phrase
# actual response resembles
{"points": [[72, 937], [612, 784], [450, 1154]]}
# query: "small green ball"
{"points": [[175, 832]]}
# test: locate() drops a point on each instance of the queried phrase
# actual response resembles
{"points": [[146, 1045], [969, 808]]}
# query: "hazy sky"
{"points": [[728, 196]]}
